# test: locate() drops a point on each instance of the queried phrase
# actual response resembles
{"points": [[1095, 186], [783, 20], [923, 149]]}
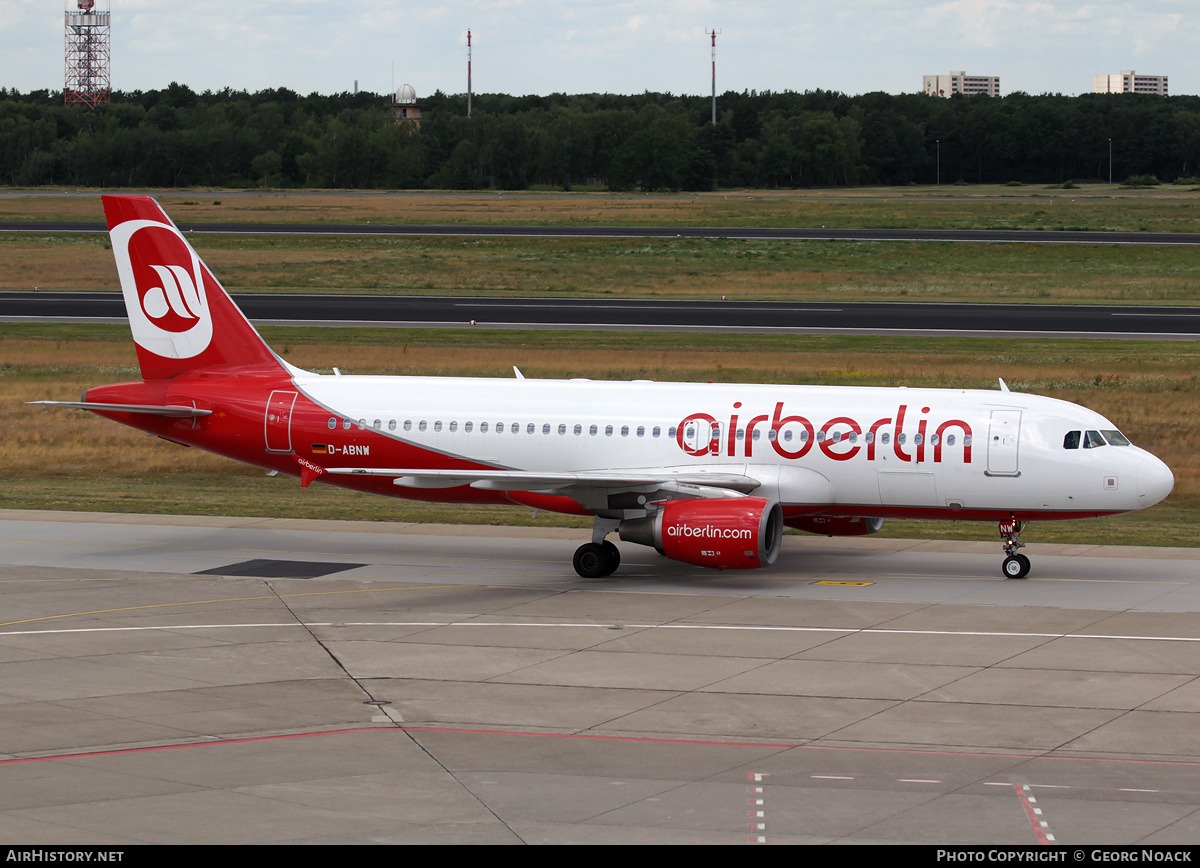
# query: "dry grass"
{"points": [[67, 459], [1099, 206]]}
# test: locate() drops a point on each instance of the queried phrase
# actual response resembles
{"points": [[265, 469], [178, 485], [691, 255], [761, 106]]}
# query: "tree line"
{"points": [[176, 137]]}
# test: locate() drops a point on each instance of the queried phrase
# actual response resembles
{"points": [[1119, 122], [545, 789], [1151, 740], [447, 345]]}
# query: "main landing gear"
{"points": [[599, 557], [1016, 565], [594, 560]]}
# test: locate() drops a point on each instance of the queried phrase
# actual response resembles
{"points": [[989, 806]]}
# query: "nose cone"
{"points": [[1154, 481]]}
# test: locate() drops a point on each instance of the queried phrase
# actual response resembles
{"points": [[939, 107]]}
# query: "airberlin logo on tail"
{"points": [[163, 284]]}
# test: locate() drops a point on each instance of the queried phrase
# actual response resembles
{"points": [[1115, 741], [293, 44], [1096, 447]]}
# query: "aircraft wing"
{"points": [[173, 410], [525, 480]]}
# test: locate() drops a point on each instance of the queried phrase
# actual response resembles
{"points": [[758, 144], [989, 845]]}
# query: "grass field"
{"points": [[1096, 206], [57, 459], [676, 268]]}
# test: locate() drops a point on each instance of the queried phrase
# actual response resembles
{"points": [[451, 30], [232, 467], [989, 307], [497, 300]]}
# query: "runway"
{"points": [[186, 679], [994, 320], [754, 233]]}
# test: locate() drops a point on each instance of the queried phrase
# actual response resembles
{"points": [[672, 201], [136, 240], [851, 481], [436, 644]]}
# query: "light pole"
{"points": [[1110, 161]]}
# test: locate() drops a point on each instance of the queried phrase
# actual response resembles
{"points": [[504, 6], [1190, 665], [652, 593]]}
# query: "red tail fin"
{"points": [[181, 317]]}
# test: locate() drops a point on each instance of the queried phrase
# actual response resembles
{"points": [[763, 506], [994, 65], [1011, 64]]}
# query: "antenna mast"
{"points": [[714, 33], [468, 73]]}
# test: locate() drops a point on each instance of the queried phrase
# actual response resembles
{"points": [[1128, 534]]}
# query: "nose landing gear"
{"points": [[1016, 565]]}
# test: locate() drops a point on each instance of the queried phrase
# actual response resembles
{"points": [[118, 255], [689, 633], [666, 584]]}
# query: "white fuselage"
{"points": [[894, 450]]}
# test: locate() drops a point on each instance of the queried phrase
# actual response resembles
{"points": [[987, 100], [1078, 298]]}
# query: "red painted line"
{"points": [[592, 737], [1039, 828]]}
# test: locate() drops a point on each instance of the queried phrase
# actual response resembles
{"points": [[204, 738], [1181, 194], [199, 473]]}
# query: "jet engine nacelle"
{"points": [[836, 525], [729, 533]]}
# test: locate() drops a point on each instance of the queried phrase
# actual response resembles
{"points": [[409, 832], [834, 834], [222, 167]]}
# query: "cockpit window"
{"points": [[1092, 439], [1071, 441], [1115, 438]]}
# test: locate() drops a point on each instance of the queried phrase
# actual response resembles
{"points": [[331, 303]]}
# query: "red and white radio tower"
{"points": [[714, 81], [88, 54], [468, 73]]}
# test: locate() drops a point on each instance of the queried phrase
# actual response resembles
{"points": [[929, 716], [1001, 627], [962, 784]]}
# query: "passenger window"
{"points": [[437, 426], [332, 423], [1071, 441], [467, 426], [578, 429], [608, 430], [562, 429], [391, 424], [592, 430], [453, 427], [483, 427]]}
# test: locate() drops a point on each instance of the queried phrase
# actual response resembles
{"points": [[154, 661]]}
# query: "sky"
{"points": [[603, 46]]}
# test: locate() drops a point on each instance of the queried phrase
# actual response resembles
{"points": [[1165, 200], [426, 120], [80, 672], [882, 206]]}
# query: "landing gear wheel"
{"points": [[1016, 567], [614, 557], [593, 560]]}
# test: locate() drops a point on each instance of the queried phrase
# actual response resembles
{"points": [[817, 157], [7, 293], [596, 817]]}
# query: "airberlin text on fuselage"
{"points": [[840, 438]]}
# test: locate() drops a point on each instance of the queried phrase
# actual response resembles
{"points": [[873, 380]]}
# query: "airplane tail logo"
{"points": [[163, 283], [181, 317]]}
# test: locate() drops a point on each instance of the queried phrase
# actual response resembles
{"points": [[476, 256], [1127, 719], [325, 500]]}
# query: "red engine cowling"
{"points": [[836, 525], [731, 533]]}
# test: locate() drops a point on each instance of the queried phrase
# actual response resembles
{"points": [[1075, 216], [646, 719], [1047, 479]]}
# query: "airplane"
{"points": [[709, 474]]}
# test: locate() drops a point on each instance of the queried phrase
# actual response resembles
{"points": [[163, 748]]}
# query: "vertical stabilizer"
{"points": [[181, 317]]}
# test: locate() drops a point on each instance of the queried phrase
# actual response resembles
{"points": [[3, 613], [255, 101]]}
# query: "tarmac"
{"points": [[186, 679]]}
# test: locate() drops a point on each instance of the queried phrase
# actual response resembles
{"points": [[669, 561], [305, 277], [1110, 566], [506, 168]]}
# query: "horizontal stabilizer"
{"points": [[174, 411]]}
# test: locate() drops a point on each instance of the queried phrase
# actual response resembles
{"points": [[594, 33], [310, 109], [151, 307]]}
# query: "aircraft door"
{"points": [[701, 438], [277, 422], [1004, 440]]}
